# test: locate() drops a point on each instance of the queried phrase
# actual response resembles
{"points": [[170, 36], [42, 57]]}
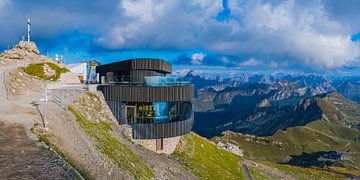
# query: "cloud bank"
{"points": [[312, 34]]}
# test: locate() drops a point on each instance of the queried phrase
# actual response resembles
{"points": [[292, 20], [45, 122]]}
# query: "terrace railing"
{"points": [[147, 81]]}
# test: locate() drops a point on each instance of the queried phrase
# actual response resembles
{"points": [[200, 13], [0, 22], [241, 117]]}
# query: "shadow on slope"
{"points": [[244, 115]]}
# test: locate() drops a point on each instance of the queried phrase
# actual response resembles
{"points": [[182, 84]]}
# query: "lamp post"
{"points": [[45, 100]]}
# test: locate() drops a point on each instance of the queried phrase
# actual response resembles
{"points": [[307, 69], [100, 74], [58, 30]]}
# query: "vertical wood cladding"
{"points": [[162, 130], [136, 64], [118, 110], [151, 64], [155, 130], [147, 93]]}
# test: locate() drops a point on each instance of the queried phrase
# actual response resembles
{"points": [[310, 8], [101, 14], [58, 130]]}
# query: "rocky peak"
{"points": [[28, 46], [23, 50], [191, 73]]}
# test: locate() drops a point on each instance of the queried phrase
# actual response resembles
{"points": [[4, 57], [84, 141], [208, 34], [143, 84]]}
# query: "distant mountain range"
{"points": [[281, 119], [263, 104], [348, 87], [324, 123]]}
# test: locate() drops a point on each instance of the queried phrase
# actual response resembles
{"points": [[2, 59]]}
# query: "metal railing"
{"points": [[147, 81]]}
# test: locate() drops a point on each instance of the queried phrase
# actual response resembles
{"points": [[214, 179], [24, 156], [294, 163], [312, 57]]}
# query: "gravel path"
{"points": [[246, 172], [22, 158], [269, 170]]}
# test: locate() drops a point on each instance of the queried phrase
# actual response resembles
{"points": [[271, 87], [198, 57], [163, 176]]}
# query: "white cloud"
{"points": [[197, 58], [279, 33], [142, 10], [303, 33], [322, 50], [250, 62]]}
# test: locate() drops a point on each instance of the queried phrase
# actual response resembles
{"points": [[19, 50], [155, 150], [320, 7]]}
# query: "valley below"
{"points": [[302, 122]]}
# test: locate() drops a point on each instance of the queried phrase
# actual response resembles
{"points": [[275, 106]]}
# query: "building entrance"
{"points": [[130, 114]]}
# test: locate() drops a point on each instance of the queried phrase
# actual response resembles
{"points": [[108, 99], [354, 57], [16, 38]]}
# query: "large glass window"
{"points": [[158, 112]]}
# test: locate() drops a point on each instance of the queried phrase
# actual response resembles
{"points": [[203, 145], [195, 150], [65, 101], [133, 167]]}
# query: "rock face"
{"points": [[28, 46], [232, 148], [48, 71], [21, 55], [20, 84], [23, 50], [350, 89]]}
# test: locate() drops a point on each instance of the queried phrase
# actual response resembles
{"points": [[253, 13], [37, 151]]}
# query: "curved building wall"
{"points": [[153, 130], [147, 93], [162, 130]]}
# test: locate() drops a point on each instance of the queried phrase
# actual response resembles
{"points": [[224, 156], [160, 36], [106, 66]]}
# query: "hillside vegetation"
{"points": [[108, 145], [304, 173], [40, 70], [302, 145], [207, 161]]}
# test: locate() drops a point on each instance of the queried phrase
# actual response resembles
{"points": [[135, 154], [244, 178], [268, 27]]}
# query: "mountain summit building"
{"points": [[155, 107]]}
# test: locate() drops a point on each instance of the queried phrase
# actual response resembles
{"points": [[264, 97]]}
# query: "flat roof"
{"points": [[151, 64]]}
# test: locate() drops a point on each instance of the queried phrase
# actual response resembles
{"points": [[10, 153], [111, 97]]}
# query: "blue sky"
{"points": [[312, 36]]}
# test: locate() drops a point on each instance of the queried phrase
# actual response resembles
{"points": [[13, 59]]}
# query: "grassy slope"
{"points": [[315, 136], [122, 156], [304, 173], [328, 134], [257, 174], [206, 160], [38, 71]]}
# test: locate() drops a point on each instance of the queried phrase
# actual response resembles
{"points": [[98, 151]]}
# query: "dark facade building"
{"points": [[142, 95]]}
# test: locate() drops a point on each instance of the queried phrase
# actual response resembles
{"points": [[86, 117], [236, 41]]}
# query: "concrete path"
{"points": [[246, 172]]}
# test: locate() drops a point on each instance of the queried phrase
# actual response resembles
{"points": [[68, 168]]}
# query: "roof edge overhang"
{"points": [[151, 64]]}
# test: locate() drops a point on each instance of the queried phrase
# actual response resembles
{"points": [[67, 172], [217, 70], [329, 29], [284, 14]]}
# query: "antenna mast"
{"points": [[29, 29]]}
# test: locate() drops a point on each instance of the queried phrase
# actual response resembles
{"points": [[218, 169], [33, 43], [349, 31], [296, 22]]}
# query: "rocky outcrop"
{"points": [[231, 147], [20, 84], [23, 50]]}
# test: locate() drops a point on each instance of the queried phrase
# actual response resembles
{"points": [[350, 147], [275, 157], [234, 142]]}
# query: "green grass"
{"points": [[122, 156], [38, 71], [352, 171], [304, 173], [257, 174], [314, 137], [207, 161], [336, 131]]}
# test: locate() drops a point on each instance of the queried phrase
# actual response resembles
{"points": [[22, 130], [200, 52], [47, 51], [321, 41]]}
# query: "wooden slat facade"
{"points": [[155, 130], [118, 95], [162, 130], [126, 93], [151, 64]]}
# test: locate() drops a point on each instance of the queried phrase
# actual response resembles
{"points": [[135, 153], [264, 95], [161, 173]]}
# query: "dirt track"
{"points": [[22, 158]]}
